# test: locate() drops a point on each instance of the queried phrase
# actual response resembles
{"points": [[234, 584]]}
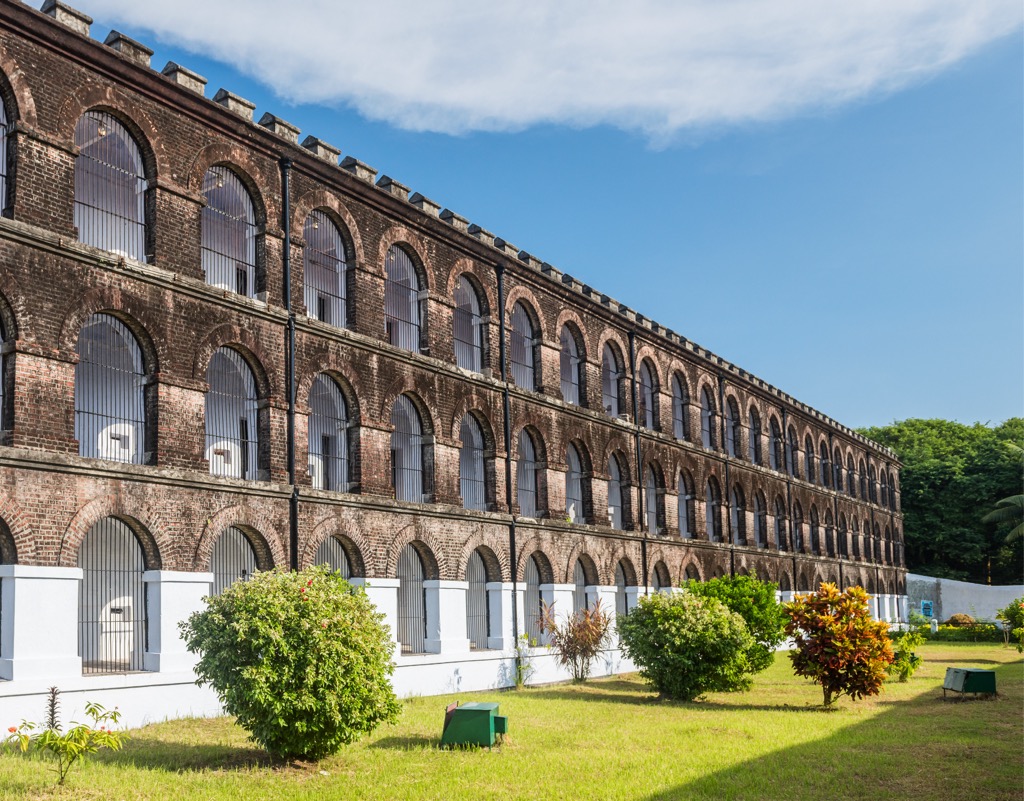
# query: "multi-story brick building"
{"points": [[224, 351]]}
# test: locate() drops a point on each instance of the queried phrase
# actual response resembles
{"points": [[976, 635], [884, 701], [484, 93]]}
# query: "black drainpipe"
{"points": [[835, 510], [727, 489], [641, 509], [507, 424], [293, 502], [789, 488]]}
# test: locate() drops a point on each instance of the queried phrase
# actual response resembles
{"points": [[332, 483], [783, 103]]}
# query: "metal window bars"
{"points": [[678, 409], [328, 436], [332, 554], [412, 616], [231, 416], [110, 187], [532, 599], [477, 617], [574, 486], [521, 348], [323, 267], [732, 425], [526, 476], [401, 300], [407, 451], [569, 367], [611, 375], [112, 616], [471, 464], [233, 559], [467, 327], [707, 419], [755, 438], [620, 589], [646, 397], [614, 494], [110, 416], [4, 131], [712, 526], [738, 517], [651, 500], [228, 245], [685, 507], [798, 529], [579, 590]]}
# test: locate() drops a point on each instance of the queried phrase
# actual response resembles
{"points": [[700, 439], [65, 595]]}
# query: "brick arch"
{"points": [[21, 535], [239, 159], [432, 552], [352, 542], [484, 288], [411, 243], [474, 405], [110, 98], [691, 564], [653, 357], [620, 444], [304, 385], [247, 345], [632, 577], [660, 569], [706, 380], [417, 388], [118, 302], [8, 315], [533, 309], [17, 91], [573, 319], [145, 523], [269, 549], [492, 550], [535, 545], [323, 200], [590, 566]]}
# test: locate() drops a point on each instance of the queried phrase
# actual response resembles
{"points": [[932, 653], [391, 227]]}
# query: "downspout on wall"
{"points": [[286, 225]]}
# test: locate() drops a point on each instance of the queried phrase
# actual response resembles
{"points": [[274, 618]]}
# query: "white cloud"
{"points": [[660, 66]]}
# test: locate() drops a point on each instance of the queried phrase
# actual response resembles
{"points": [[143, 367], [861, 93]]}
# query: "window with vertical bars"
{"points": [[815, 532], [760, 522], [851, 477], [526, 475], [4, 183], [407, 451], [738, 516], [228, 233], [477, 613], [532, 599], [824, 466], [412, 602], [755, 437], [776, 446], [328, 436], [569, 367], [792, 451], [574, 486], [110, 380], [110, 187], [798, 528], [647, 397], [680, 400], [781, 540], [733, 436], [809, 472], [707, 420], [233, 559], [611, 381], [614, 494], [579, 591], [471, 464], [402, 303], [231, 416], [620, 589], [686, 511], [830, 535], [332, 553], [324, 270], [467, 327], [712, 523], [521, 348], [651, 500]]}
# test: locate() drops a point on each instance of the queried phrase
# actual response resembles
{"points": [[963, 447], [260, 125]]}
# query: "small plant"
{"points": [[72, 746], [524, 666], [905, 662], [579, 639], [302, 659], [686, 645], [960, 620], [837, 643], [1012, 618]]}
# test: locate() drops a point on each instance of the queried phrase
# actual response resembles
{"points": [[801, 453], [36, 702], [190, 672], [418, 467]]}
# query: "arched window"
{"points": [[692, 574], [798, 528], [468, 327], [855, 538], [892, 491], [872, 484], [878, 543], [851, 477], [407, 451], [228, 233], [412, 602], [112, 599], [328, 436], [574, 508], [755, 436], [680, 404], [733, 434], [738, 516], [792, 449], [775, 450], [233, 559], [478, 626], [863, 481], [231, 416], [526, 476], [661, 578], [779, 525], [686, 504], [324, 270], [647, 397], [830, 534], [332, 553], [522, 347], [824, 465], [532, 598], [620, 589], [712, 520], [885, 488], [809, 471], [614, 494], [110, 187], [760, 521], [815, 533], [110, 386], [472, 483], [403, 300], [569, 366], [652, 501], [707, 419], [837, 470], [611, 381], [579, 591]]}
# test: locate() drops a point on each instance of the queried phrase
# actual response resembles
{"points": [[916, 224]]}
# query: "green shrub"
{"points": [[979, 632], [960, 620], [686, 645], [301, 659], [578, 639], [754, 601], [1012, 617], [905, 662]]}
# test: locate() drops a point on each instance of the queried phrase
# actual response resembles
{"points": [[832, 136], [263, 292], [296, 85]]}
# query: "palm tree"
{"points": [[1009, 509]]}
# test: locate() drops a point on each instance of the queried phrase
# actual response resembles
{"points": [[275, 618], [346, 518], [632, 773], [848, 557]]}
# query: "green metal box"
{"points": [[969, 680], [473, 724]]}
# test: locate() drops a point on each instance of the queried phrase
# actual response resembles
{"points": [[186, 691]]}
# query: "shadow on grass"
{"points": [[179, 757], [409, 743]]}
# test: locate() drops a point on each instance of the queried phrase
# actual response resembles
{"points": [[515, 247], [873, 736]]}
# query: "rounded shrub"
{"points": [[686, 645], [960, 620], [302, 660]]}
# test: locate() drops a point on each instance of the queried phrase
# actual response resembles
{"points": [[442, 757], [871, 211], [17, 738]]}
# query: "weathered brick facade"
{"points": [[51, 74]]}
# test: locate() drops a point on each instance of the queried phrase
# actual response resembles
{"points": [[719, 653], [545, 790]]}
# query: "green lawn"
{"points": [[612, 740]]}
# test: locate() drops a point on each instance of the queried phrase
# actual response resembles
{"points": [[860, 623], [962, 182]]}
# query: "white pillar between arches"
{"points": [[171, 596], [634, 594], [383, 594], [904, 609], [558, 596], [499, 610], [446, 616], [39, 623]]}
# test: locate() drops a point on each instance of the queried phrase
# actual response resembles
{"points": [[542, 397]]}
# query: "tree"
{"points": [[301, 659], [837, 644], [1010, 510], [754, 601], [578, 639], [952, 476], [686, 645]]}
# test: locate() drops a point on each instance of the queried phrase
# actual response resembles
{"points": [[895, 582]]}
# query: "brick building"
{"points": [[224, 350]]}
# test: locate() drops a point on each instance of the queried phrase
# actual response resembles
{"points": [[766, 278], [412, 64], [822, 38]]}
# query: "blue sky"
{"points": [[861, 247]]}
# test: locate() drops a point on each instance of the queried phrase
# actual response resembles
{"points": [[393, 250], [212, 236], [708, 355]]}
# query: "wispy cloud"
{"points": [[658, 66]]}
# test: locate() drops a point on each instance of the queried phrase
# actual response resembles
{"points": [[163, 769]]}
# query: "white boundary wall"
{"points": [[948, 597]]}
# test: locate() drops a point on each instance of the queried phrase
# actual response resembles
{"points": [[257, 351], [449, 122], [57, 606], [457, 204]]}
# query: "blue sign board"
{"points": [[926, 608]]}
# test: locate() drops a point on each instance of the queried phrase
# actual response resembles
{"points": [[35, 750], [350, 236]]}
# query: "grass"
{"points": [[611, 739]]}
